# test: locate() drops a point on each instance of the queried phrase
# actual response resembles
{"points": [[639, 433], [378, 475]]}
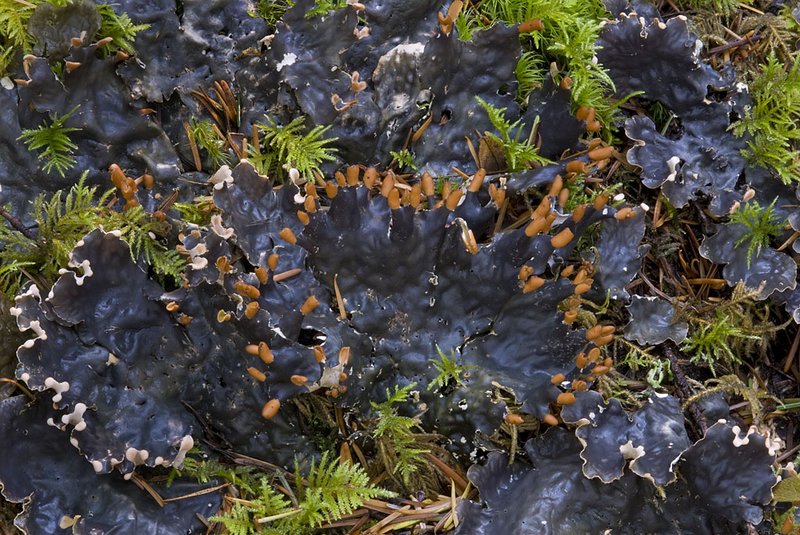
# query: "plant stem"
{"points": [[17, 224], [684, 388]]}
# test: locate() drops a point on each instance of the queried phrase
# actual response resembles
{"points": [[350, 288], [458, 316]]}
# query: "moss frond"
{"points": [[294, 148], [54, 139], [331, 490], [11, 272], [404, 159], [567, 42], [449, 372], [6, 57], [198, 212], [264, 161], [237, 521], [466, 24], [530, 71], [322, 7], [762, 224], [64, 220], [140, 230], [14, 16], [724, 8], [271, 10], [334, 489], [520, 152], [397, 437], [203, 470], [208, 138], [119, 27], [715, 342], [773, 121]]}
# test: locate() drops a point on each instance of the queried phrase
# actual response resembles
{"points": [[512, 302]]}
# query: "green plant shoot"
{"points": [[449, 372], [762, 225], [519, 152], [54, 139]]}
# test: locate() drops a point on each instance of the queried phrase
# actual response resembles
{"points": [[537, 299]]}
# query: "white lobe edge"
{"points": [[737, 441], [288, 59], [672, 163], [186, 444], [59, 388], [135, 456], [222, 177], [35, 326], [630, 452], [219, 229], [86, 268], [196, 252], [75, 418]]}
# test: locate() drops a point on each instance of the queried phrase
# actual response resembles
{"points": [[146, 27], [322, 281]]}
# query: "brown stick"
{"points": [[17, 224], [734, 44], [684, 388]]}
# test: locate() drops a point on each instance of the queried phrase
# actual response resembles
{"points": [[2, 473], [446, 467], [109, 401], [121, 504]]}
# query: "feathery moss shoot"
{"points": [[710, 343], [570, 29], [209, 139], [54, 139], [64, 220], [449, 371], [331, 490], [762, 224], [520, 151], [404, 159], [271, 10], [14, 36], [773, 120], [119, 27], [396, 436], [289, 147], [322, 7]]}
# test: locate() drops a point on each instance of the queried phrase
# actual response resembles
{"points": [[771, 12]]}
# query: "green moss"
{"points": [[331, 489], [404, 159], [710, 343], [322, 7], [762, 224], [53, 139], [773, 120], [397, 438], [64, 220], [271, 10], [198, 212], [466, 24], [722, 334], [565, 46], [289, 146], [530, 72], [450, 373], [210, 140], [520, 152], [119, 27], [14, 36], [724, 8]]}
